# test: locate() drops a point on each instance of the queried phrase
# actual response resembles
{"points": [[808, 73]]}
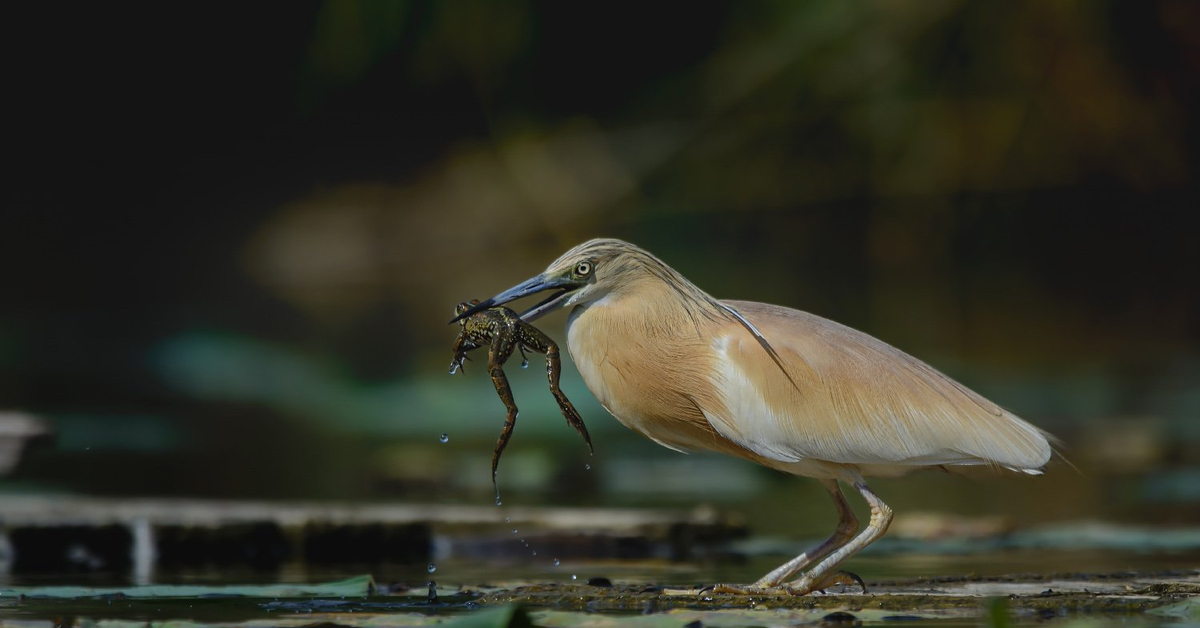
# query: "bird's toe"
{"points": [[741, 589], [809, 584]]}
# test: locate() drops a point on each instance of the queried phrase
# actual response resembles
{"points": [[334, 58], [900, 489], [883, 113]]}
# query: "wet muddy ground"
{"points": [[1146, 599], [1045, 596], [122, 563]]}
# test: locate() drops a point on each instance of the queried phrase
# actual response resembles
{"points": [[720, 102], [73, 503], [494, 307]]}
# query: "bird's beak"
{"points": [[524, 289]]}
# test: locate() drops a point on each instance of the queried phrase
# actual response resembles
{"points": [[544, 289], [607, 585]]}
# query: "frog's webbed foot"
{"points": [[505, 435], [574, 420], [510, 422]]}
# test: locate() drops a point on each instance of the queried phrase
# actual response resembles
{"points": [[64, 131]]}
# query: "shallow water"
{"points": [[406, 603]]}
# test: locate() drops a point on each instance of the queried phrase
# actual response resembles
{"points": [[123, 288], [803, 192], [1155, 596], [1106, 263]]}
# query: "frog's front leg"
{"points": [[462, 345], [501, 349]]}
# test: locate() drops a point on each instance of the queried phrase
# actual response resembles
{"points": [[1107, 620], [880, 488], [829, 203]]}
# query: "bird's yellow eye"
{"points": [[583, 269]]}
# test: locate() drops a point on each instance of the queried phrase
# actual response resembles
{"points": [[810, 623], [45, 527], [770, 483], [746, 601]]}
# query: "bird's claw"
{"points": [[803, 586], [806, 585]]}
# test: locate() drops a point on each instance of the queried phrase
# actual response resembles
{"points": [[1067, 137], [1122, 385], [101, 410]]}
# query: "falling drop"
{"points": [[535, 552], [498, 502], [514, 530], [524, 363], [557, 562], [431, 568], [445, 438], [574, 577], [587, 467], [507, 519]]}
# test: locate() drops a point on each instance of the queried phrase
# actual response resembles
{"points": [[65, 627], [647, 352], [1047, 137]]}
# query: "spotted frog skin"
{"points": [[501, 330]]}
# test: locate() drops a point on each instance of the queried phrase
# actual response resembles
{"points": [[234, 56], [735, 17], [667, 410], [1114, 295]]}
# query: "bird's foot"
{"points": [[803, 586], [741, 589], [808, 584]]}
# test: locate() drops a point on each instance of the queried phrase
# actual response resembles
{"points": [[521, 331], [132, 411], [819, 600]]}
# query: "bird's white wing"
{"points": [[853, 399]]}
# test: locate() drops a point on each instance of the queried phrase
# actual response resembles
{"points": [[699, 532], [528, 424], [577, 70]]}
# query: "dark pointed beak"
{"points": [[524, 289]]}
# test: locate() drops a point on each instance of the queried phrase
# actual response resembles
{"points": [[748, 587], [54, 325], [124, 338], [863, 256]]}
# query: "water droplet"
{"points": [[524, 363], [587, 467], [498, 502], [574, 577], [535, 552], [557, 562], [431, 568], [514, 530], [507, 519], [445, 438]]}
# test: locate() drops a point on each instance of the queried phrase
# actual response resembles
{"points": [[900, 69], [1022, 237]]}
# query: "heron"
{"points": [[779, 387]]}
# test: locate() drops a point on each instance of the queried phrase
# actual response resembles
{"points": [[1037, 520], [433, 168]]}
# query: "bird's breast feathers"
{"points": [[656, 388]]}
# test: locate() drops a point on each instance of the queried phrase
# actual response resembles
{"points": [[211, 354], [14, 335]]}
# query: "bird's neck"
{"points": [[654, 307]]}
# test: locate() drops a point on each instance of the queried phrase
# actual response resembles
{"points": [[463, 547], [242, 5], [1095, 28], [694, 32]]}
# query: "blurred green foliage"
{"points": [[254, 226]]}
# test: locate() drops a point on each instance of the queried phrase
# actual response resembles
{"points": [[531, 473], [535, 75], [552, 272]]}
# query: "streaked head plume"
{"points": [[613, 265]]}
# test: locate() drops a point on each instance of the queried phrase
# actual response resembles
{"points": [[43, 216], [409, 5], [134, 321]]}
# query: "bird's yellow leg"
{"points": [[846, 529], [823, 574]]}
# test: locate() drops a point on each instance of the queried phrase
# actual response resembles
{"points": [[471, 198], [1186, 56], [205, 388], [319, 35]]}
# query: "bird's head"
{"points": [[581, 275]]}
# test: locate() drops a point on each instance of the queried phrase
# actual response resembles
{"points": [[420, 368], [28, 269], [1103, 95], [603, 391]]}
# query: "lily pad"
{"points": [[357, 586]]}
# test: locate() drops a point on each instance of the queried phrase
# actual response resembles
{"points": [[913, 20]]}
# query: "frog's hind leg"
{"points": [[553, 368], [500, 351]]}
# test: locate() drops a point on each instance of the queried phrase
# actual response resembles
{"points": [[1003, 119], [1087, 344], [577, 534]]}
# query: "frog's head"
{"points": [[463, 308]]}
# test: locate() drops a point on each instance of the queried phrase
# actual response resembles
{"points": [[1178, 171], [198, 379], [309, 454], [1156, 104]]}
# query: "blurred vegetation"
{"points": [[232, 238]]}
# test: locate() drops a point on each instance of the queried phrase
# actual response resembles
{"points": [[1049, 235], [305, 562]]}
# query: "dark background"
{"points": [[232, 234]]}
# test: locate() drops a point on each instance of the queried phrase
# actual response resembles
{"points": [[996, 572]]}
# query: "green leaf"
{"points": [[353, 587], [997, 614], [503, 617], [1187, 609]]}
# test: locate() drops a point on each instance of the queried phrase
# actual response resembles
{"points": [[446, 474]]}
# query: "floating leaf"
{"points": [[503, 617], [356, 586]]}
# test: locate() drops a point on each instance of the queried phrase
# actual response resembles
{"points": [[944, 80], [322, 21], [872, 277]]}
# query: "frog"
{"points": [[502, 330]]}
